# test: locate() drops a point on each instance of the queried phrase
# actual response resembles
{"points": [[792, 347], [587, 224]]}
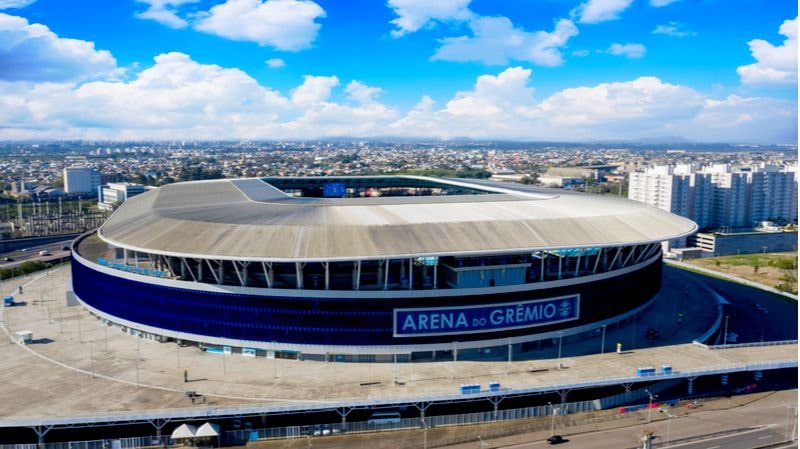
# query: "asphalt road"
{"points": [[756, 315], [765, 422], [32, 253]]}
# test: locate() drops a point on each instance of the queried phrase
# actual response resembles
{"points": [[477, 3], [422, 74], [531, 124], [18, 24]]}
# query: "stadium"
{"points": [[373, 268]]}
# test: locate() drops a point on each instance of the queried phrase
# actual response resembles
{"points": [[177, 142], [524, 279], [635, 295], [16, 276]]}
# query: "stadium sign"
{"points": [[485, 318]]}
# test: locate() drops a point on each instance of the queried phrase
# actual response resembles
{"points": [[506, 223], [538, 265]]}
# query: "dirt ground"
{"points": [[778, 270]]}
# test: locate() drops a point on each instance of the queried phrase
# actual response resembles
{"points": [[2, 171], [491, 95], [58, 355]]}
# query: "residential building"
{"points": [[81, 180], [115, 193]]}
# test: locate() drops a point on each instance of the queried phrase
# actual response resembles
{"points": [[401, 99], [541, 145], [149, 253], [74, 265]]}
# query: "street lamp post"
{"points": [[669, 425], [650, 405], [424, 434]]}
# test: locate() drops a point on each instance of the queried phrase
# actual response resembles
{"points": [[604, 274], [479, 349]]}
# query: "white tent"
{"points": [[207, 430], [184, 431]]}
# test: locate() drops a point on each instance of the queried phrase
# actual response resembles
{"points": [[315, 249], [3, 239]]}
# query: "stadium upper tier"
{"points": [[372, 218]]}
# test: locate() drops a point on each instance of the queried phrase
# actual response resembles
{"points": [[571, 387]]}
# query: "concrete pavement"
{"points": [[79, 366]]}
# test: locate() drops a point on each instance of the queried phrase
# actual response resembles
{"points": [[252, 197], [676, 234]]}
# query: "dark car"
{"points": [[65, 248], [556, 439], [8, 259]]}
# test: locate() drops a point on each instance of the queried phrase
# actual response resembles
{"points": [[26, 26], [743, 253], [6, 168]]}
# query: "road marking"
{"points": [[713, 447], [719, 437], [765, 437]]}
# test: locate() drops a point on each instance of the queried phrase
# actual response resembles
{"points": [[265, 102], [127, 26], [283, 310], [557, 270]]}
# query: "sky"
{"points": [[535, 70]]}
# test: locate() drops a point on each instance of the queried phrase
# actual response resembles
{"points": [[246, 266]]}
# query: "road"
{"points": [[29, 254], [767, 421]]}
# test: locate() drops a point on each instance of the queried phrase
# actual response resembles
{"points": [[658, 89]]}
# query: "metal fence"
{"points": [[114, 443], [753, 344], [241, 436]]}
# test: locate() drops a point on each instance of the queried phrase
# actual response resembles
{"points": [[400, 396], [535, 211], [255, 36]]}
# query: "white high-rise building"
{"points": [[716, 196], [114, 194], [81, 180]]}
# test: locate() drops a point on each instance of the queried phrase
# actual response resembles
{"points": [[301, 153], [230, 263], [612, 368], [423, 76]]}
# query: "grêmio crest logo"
{"points": [[485, 318]]}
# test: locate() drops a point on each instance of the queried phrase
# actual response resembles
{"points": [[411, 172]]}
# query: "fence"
{"points": [[748, 345], [115, 443], [242, 436]]}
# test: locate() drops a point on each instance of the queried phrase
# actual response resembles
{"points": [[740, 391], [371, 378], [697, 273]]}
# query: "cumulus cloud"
{"points": [[288, 25], [495, 40], [275, 63], [596, 11], [776, 64], [415, 14], [314, 90], [630, 51], [30, 51], [361, 93], [15, 4], [164, 12], [503, 106], [673, 29], [743, 119], [177, 97], [493, 96]]}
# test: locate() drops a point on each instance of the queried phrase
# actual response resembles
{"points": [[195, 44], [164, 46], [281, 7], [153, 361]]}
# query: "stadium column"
{"points": [[267, 267], [560, 259], [326, 265], [435, 272], [299, 270], [410, 273], [597, 261], [386, 275], [543, 260]]}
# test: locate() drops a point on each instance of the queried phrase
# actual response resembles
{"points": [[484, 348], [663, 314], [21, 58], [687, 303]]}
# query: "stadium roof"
{"points": [[248, 219]]}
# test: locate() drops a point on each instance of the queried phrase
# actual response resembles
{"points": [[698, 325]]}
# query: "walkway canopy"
{"points": [[207, 430], [183, 432]]}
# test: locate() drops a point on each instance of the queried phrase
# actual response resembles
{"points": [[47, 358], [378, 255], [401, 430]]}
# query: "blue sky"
{"points": [[705, 70]]}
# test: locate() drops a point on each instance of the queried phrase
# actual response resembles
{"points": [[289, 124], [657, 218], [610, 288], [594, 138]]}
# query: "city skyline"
{"points": [[594, 70]]}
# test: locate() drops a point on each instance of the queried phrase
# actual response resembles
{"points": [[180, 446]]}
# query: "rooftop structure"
{"points": [[370, 265]]}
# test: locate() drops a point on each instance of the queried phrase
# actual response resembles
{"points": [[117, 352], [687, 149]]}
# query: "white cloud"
{"points": [[495, 40], [630, 51], [581, 53], [314, 90], [177, 97], [287, 25], [503, 106], [275, 63], [673, 29], [164, 12], [15, 4], [775, 64], [596, 11], [661, 3], [493, 95], [361, 93], [415, 14], [741, 119], [30, 51]]}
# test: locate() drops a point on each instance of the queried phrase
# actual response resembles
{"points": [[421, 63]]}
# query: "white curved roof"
{"points": [[250, 219]]}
